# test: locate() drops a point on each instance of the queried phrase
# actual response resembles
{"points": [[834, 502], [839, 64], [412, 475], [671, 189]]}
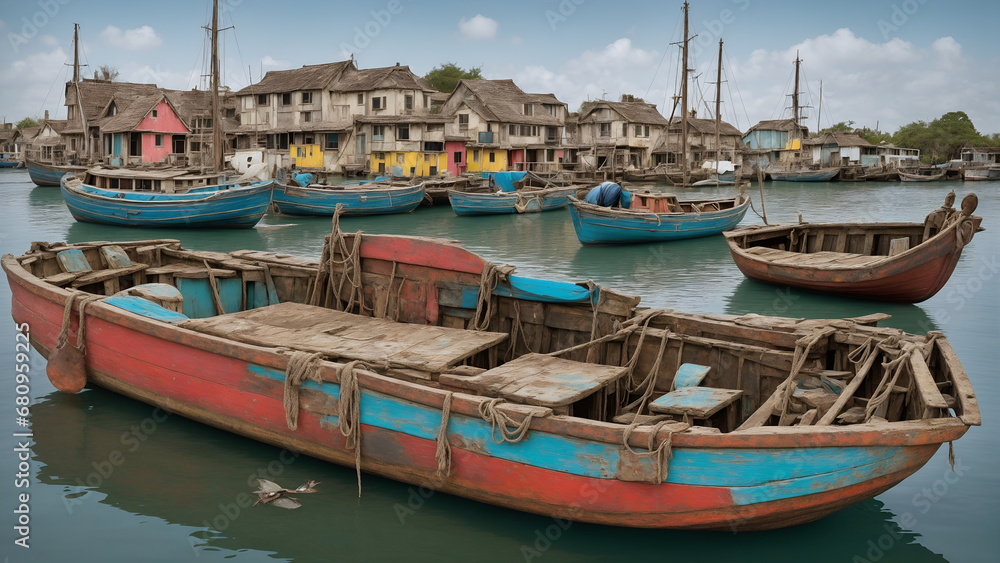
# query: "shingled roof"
{"points": [[839, 139], [395, 77], [309, 77], [633, 112], [95, 95], [503, 101], [704, 126], [776, 125]]}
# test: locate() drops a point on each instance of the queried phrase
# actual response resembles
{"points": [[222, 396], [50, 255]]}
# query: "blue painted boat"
{"points": [[527, 200], [48, 175], [820, 175], [8, 160], [219, 206], [375, 198], [655, 218]]}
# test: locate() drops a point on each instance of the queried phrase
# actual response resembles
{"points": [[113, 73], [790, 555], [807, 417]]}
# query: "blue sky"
{"points": [[881, 62]]}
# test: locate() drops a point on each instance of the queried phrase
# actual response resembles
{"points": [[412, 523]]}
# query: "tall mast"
{"points": [[218, 151], [718, 111], [76, 52], [795, 97], [684, 100]]}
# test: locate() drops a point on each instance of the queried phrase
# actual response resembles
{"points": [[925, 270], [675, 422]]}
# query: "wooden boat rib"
{"points": [[526, 200], [223, 206], [545, 410], [379, 198], [655, 218], [48, 175], [904, 262]]}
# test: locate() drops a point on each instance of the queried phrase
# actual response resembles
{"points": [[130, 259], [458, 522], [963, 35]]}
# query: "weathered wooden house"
{"points": [[494, 125], [7, 144], [701, 143], [772, 141], [840, 149], [21, 139], [47, 144], [88, 104], [619, 134], [980, 156], [896, 157]]}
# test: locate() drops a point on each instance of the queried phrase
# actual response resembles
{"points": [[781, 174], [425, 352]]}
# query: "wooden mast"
{"points": [[795, 98], [218, 152], [718, 113], [76, 52], [684, 100]]}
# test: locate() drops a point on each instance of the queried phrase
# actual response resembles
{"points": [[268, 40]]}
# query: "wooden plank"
{"points": [[898, 246], [696, 402], [73, 260], [929, 392], [115, 257], [849, 391], [104, 275], [963, 388]]}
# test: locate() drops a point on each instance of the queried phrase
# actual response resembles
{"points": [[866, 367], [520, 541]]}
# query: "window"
{"points": [[307, 97], [527, 109], [378, 102], [361, 99], [432, 146], [308, 140], [155, 112], [332, 142], [427, 157], [463, 121], [378, 132], [408, 101], [458, 158], [624, 129], [552, 109], [475, 156], [646, 131], [513, 130], [427, 101], [286, 99], [492, 156], [159, 140], [402, 132], [70, 112], [605, 129], [306, 116], [261, 99], [380, 156]]}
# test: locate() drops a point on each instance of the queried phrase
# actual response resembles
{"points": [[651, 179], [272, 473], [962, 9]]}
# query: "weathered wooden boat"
{"points": [[567, 401], [805, 175], [46, 175], [375, 198], [981, 173], [654, 217], [524, 200], [917, 177], [217, 206], [904, 262], [9, 160]]}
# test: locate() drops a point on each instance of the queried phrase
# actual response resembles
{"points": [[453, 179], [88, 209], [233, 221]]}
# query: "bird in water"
{"points": [[272, 493]]}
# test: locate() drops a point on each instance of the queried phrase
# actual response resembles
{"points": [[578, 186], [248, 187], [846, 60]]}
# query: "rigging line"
{"points": [[781, 100], [664, 56], [239, 51], [742, 103], [41, 108]]}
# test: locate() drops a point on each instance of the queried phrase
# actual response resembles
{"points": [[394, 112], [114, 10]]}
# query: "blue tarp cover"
{"points": [[609, 194], [505, 180]]}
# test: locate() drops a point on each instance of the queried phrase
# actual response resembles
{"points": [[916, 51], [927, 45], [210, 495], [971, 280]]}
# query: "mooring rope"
{"points": [[498, 419], [81, 325], [442, 452], [660, 455], [485, 306], [802, 348], [301, 366], [349, 412]]}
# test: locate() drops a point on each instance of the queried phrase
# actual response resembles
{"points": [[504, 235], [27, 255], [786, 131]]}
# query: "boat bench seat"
{"points": [[77, 271], [170, 271], [539, 379], [699, 403]]}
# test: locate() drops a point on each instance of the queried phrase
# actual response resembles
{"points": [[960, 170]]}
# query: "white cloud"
{"points": [[50, 41], [35, 91], [268, 60], [138, 39], [478, 27]]}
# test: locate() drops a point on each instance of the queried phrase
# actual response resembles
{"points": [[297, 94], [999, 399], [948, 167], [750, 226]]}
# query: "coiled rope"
{"points": [[660, 455], [500, 420]]}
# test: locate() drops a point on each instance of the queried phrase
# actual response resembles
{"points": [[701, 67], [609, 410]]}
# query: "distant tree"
{"points": [[942, 139], [27, 122], [842, 127], [874, 137], [106, 72], [445, 77]]}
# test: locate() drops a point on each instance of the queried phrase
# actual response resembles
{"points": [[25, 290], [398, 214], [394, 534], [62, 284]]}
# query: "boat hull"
{"points": [[48, 175], [561, 469], [508, 202], [240, 207], [910, 277], [978, 174], [596, 225], [290, 200], [823, 175]]}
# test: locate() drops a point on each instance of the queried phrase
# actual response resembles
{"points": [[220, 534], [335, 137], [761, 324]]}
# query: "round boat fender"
{"points": [[67, 369]]}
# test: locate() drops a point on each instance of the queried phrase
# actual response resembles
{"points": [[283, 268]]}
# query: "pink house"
{"points": [[149, 130], [456, 157]]}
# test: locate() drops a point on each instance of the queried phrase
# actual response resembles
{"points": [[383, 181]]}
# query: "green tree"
{"points": [[842, 127], [942, 139], [27, 122], [445, 77]]}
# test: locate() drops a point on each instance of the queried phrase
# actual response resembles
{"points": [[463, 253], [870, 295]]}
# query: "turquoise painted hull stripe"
{"points": [[318, 201], [650, 227], [753, 475]]}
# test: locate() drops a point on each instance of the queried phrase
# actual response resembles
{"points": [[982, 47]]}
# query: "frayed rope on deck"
{"points": [[443, 451], [661, 454], [349, 412], [81, 326], [498, 419], [302, 366]]}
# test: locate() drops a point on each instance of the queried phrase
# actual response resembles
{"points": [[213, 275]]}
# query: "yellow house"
{"points": [[412, 163], [306, 156], [486, 160]]}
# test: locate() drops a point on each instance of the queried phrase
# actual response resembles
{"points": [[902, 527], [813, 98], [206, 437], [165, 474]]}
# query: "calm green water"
{"points": [[173, 494]]}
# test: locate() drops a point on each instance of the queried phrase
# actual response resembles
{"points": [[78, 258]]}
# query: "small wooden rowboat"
{"points": [[417, 360], [907, 177], [48, 175], [525, 200], [904, 262], [376, 198], [655, 218]]}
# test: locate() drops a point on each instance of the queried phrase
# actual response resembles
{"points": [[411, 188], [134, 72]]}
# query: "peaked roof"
{"points": [[503, 101], [398, 77], [704, 126], [128, 118], [839, 139], [95, 95], [309, 77], [633, 112], [776, 125]]}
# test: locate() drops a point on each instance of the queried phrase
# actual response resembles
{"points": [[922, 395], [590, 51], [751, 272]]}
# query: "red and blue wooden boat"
{"points": [[417, 360], [902, 262]]}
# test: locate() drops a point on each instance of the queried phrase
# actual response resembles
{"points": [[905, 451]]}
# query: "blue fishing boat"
{"points": [[218, 206], [8, 160], [374, 198], [819, 175], [525, 200], [648, 217], [46, 175]]}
